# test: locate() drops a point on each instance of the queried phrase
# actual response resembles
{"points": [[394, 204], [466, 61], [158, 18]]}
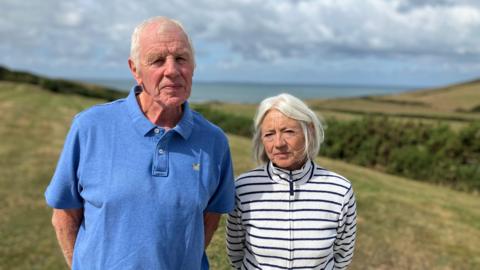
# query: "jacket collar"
{"points": [[283, 176]]}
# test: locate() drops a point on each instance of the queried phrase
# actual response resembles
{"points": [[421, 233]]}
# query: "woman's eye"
{"points": [[268, 136], [289, 133]]}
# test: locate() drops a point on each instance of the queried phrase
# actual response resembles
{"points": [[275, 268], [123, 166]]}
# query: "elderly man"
{"points": [[142, 181]]}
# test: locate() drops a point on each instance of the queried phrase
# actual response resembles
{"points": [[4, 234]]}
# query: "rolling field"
{"points": [[402, 224], [456, 106]]}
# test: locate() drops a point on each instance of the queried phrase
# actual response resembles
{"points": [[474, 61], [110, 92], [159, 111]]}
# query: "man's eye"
{"points": [[156, 61], [180, 59]]}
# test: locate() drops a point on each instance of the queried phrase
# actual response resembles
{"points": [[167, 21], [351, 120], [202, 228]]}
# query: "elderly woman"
{"points": [[290, 213]]}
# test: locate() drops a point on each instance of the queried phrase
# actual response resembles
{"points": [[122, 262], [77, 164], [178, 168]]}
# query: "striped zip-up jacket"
{"points": [[303, 219]]}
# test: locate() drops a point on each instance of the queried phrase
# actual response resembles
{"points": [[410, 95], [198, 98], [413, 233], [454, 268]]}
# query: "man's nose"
{"points": [[171, 68]]}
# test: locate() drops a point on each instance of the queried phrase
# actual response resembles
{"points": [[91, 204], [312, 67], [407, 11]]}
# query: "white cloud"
{"points": [[86, 34]]}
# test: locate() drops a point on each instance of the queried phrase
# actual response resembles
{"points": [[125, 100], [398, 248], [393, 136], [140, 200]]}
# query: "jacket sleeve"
{"points": [[346, 232], [235, 236]]}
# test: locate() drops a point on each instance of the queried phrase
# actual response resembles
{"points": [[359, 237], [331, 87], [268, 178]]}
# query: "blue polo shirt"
{"points": [[144, 191]]}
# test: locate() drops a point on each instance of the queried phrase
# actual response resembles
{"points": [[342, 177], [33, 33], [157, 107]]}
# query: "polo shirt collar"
{"points": [[144, 126], [140, 122], [283, 176], [185, 126]]}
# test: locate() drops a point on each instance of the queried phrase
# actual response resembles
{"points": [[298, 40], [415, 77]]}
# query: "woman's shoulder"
{"points": [[326, 176]]}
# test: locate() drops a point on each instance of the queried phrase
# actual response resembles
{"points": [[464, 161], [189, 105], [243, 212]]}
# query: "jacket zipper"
{"points": [[292, 197]]}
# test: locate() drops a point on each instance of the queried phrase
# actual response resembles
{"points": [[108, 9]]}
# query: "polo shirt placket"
{"points": [[160, 156]]}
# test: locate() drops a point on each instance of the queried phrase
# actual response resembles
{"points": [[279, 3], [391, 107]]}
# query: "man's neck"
{"points": [[162, 116]]}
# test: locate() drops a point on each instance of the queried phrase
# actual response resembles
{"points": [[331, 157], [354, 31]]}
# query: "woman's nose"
{"points": [[279, 141]]}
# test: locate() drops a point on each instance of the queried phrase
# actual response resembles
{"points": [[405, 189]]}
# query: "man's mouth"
{"points": [[172, 86]]}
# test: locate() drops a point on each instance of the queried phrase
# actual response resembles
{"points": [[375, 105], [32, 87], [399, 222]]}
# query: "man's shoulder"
{"points": [[101, 112], [204, 125]]}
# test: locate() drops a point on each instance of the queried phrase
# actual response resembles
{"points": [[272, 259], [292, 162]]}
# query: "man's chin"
{"points": [[172, 102]]}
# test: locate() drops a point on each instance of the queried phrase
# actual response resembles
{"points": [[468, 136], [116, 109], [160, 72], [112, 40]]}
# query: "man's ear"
{"points": [[135, 72]]}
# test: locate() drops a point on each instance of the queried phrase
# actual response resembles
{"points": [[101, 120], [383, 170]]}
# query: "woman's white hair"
{"points": [[161, 21], [293, 108]]}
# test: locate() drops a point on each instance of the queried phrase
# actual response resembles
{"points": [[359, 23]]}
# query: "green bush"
{"points": [[431, 153], [426, 152], [230, 123]]}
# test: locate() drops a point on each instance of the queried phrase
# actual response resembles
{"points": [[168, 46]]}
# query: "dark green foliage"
{"points": [[60, 86], [476, 109], [230, 123], [431, 153], [18, 76], [426, 152]]}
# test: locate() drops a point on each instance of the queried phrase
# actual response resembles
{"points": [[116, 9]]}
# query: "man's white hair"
{"points": [[293, 108], [161, 21]]}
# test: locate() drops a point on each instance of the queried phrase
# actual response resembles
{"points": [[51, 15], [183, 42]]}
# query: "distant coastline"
{"points": [[250, 92]]}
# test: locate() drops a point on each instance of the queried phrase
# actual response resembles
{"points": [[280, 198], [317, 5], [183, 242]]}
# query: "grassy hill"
{"points": [[402, 224], [455, 104], [60, 85], [463, 97]]}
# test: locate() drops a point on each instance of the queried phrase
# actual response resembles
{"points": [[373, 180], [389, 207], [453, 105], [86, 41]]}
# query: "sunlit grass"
{"points": [[402, 224]]}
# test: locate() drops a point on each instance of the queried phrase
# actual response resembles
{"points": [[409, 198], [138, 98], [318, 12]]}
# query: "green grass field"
{"points": [[402, 224]]}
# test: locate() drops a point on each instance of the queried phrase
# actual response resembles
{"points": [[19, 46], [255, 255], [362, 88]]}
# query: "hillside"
{"points": [[402, 224], [456, 105], [60, 85], [463, 97]]}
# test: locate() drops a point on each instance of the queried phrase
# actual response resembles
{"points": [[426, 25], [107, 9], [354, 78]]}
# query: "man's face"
{"points": [[165, 67]]}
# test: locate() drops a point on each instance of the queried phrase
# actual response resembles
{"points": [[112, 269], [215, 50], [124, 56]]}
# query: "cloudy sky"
{"points": [[369, 42]]}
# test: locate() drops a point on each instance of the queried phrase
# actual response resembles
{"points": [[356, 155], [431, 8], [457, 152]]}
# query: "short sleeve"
{"points": [[223, 200], [63, 190]]}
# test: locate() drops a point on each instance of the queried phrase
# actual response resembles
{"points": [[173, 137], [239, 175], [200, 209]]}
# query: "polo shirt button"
{"points": [[160, 151], [156, 130]]}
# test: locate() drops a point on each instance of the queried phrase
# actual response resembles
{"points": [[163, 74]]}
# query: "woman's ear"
{"points": [[311, 128]]}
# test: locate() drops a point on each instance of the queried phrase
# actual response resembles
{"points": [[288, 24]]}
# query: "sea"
{"points": [[249, 92]]}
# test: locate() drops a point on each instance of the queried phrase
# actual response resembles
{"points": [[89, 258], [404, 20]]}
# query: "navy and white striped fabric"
{"points": [[303, 219]]}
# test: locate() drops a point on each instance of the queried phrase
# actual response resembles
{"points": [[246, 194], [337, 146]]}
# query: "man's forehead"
{"points": [[163, 28], [169, 35], [161, 51]]}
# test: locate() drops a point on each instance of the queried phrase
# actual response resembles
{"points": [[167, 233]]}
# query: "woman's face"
{"points": [[283, 140]]}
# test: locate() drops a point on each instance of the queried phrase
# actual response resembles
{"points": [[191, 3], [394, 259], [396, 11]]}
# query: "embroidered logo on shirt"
{"points": [[196, 166]]}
